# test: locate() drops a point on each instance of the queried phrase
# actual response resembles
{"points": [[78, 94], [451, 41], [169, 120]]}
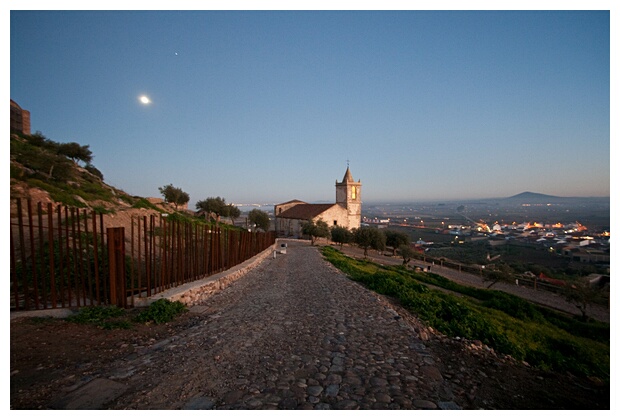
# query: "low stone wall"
{"points": [[195, 292], [190, 294]]}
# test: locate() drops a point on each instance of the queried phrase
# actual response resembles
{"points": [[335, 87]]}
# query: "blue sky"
{"points": [[268, 106]]}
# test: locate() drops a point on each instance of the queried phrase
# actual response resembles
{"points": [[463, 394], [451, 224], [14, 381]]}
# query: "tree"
{"points": [[76, 152], [341, 235], [367, 237], [500, 272], [233, 212], [215, 205], [396, 239], [582, 294], [406, 252], [39, 140], [174, 195], [259, 218], [318, 229]]}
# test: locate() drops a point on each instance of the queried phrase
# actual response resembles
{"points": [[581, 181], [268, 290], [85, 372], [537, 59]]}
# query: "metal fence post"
{"points": [[116, 256]]}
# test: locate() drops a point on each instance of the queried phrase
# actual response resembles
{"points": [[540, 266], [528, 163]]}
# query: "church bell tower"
{"points": [[349, 196]]}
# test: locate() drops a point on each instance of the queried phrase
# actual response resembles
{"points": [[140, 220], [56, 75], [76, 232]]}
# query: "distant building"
{"points": [[20, 118], [346, 212]]}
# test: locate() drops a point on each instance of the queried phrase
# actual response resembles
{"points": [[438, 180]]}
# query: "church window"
{"points": [[353, 193]]}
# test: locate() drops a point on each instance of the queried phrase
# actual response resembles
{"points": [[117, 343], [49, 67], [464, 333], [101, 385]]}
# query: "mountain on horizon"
{"points": [[527, 195], [537, 198]]}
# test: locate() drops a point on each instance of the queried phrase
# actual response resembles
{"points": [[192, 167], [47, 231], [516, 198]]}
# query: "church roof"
{"points": [[347, 176], [292, 201], [305, 211]]}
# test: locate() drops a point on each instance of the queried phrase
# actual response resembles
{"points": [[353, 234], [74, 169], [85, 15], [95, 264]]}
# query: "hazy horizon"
{"points": [[402, 202]]}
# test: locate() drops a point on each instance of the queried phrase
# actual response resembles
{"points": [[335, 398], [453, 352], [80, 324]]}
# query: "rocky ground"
{"points": [[292, 334]]}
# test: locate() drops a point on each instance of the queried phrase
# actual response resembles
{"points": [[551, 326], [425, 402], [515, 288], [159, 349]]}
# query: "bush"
{"points": [[143, 203], [161, 311], [94, 171], [101, 316]]}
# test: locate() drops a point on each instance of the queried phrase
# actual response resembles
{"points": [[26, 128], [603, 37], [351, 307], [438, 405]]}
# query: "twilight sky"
{"points": [[268, 106]]}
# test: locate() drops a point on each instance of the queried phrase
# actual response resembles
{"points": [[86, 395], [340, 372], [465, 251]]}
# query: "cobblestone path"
{"points": [[292, 334]]}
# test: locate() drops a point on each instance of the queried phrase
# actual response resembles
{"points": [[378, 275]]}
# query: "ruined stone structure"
{"points": [[346, 212], [20, 118]]}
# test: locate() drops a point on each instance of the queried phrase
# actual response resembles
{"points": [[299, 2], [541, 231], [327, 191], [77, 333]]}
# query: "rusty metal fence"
{"points": [[65, 257], [162, 253]]}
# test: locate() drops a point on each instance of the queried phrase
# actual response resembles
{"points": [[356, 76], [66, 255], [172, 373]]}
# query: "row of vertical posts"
{"points": [[56, 257], [64, 257]]}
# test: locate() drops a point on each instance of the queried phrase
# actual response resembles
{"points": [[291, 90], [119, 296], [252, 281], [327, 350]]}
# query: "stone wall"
{"points": [[20, 118], [197, 291]]}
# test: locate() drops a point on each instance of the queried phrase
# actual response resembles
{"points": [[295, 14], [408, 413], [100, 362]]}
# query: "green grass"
{"points": [[112, 317], [44, 168], [143, 203], [161, 311], [106, 317], [508, 324]]}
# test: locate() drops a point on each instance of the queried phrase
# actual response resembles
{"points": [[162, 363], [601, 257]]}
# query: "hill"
{"points": [[46, 171], [528, 197], [532, 196]]}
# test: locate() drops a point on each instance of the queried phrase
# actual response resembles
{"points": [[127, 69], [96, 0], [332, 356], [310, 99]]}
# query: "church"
{"points": [[346, 212]]}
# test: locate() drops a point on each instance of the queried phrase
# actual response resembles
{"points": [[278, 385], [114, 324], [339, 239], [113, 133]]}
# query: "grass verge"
{"points": [[112, 317], [510, 325]]}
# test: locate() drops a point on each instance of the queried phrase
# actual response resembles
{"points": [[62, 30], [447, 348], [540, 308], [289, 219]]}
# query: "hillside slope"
{"points": [[44, 171]]}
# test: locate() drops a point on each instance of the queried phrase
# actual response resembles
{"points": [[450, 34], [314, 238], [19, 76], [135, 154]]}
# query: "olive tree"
{"points": [[341, 235], [174, 195], [367, 237], [406, 252], [213, 205], [498, 273], [259, 218], [396, 239], [233, 212], [583, 295], [318, 229], [76, 152]]}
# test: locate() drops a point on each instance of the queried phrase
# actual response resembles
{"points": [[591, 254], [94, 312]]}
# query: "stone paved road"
{"points": [[293, 333]]}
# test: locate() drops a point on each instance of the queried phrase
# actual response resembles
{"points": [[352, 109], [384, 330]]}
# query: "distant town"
{"points": [[577, 228]]}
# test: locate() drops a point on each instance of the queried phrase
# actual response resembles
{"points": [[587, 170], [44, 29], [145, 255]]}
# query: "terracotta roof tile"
{"points": [[305, 211]]}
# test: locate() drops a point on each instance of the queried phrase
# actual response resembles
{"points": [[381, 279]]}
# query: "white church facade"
{"points": [[345, 212]]}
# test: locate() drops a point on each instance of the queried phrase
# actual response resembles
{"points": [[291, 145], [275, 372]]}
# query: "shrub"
{"points": [[94, 171], [143, 203], [101, 316], [103, 210], [161, 311]]}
